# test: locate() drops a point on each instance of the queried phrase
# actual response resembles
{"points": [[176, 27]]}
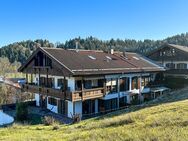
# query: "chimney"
{"points": [[124, 54], [111, 51]]}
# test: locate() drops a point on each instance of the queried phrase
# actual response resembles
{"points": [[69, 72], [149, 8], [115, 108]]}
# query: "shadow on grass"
{"points": [[34, 119]]}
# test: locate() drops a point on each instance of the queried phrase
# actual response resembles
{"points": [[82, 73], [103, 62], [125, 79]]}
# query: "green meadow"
{"points": [[164, 119]]}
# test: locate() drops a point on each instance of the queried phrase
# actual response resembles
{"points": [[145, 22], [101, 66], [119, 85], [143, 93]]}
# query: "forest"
{"points": [[20, 51]]}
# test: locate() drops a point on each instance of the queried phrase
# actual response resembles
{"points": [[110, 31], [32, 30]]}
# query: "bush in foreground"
{"points": [[48, 120], [21, 111]]}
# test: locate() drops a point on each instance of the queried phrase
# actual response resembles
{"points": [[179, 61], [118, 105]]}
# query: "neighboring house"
{"points": [[85, 81], [173, 57]]}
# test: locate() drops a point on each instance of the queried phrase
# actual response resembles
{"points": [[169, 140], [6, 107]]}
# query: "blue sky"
{"points": [[61, 20]]}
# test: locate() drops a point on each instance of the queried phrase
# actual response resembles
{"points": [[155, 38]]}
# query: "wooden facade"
{"points": [[173, 57], [169, 53]]}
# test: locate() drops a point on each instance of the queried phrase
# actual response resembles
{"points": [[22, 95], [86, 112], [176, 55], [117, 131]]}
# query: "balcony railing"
{"points": [[88, 94], [44, 91], [72, 96]]}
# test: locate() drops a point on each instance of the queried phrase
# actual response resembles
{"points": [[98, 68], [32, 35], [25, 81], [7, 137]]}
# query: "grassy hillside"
{"points": [[164, 119]]}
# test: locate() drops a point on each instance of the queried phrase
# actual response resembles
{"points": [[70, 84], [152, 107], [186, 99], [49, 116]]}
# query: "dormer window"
{"points": [[136, 58], [109, 58], [91, 57]]}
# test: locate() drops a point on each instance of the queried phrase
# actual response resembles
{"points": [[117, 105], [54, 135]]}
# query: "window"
{"points": [[181, 66], [110, 104], [78, 85], [48, 61], [60, 83], [100, 82], [50, 82], [39, 59], [170, 65], [52, 101], [111, 85], [94, 83], [134, 83], [145, 80], [124, 84], [42, 81], [122, 101], [87, 84]]}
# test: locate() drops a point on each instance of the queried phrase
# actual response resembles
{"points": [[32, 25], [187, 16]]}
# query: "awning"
{"points": [[159, 89]]}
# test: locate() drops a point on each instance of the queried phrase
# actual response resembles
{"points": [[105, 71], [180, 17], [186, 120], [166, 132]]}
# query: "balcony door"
{"points": [[61, 107], [88, 107]]}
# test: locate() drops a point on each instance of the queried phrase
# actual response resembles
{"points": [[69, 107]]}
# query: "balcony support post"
{"points": [[26, 78], [65, 84], [118, 90], [47, 85], [130, 83], [39, 77], [104, 85], [82, 88], [32, 78]]}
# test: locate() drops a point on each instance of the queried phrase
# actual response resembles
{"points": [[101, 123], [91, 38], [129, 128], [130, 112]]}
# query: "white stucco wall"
{"points": [[128, 99], [110, 96], [37, 99], [71, 83], [70, 109], [78, 107]]}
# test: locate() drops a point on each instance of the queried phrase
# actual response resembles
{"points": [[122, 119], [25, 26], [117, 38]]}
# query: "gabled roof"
{"points": [[183, 48], [86, 62], [179, 47]]}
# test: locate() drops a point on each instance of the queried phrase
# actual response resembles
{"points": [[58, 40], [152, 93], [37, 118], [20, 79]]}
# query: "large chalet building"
{"points": [[87, 82], [173, 57]]}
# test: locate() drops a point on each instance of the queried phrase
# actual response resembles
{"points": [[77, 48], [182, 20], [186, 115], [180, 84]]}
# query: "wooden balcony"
{"points": [[88, 94], [44, 91], [72, 96]]}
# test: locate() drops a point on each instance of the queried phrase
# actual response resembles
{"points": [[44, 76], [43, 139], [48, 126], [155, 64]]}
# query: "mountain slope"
{"points": [[163, 119]]}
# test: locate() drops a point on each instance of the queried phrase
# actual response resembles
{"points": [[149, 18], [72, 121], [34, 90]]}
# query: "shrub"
{"points": [[21, 111], [48, 120], [55, 127]]}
